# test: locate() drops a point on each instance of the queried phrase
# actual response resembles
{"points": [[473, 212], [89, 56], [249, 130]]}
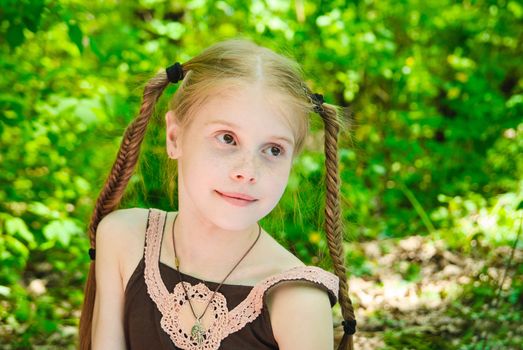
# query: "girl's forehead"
{"points": [[249, 108]]}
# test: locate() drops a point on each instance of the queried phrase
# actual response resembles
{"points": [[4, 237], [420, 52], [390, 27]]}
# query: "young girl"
{"points": [[208, 276]]}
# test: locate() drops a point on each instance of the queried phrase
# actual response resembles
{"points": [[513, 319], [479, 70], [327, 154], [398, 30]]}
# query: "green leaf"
{"points": [[61, 231], [23, 310], [5, 291], [16, 227], [76, 36], [32, 14], [42, 210], [16, 247], [15, 35], [93, 43]]}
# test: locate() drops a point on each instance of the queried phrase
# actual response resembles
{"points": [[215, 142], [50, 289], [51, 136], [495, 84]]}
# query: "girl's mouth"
{"points": [[236, 201]]}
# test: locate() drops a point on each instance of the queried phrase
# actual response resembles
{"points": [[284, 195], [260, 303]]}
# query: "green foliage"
{"points": [[435, 146], [498, 322], [414, 339]]}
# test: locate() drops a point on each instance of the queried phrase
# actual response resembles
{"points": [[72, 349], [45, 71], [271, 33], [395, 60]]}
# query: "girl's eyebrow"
{"points": [[224, 122]]}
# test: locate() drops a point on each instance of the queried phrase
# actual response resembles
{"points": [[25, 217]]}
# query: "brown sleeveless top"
{"points": [[154, 297]]}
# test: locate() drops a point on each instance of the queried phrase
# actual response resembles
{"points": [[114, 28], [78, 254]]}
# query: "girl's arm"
{"points": [[301, 316], [107, 327]]}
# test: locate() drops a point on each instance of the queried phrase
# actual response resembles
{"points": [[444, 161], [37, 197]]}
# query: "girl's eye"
{"points": [[227, 138], [278, 149]]}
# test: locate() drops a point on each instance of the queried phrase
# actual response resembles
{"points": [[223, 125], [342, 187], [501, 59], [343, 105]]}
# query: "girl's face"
{"points": [[237, 143]]}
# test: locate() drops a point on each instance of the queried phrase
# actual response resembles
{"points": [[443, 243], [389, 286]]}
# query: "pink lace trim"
{"points": [[222, 321]]}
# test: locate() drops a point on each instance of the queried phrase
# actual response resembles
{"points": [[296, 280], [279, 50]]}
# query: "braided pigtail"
{"points": [[333, 226], [115, 184]]}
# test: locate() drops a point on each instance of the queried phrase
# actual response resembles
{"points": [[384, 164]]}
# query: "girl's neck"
{"points": [[202, 245]]}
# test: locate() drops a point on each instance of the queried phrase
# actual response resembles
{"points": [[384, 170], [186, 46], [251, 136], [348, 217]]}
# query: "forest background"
{"points": [[431, 170]]}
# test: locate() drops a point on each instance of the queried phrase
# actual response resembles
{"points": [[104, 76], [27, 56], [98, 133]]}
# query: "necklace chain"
{"points": [[198, 331]]}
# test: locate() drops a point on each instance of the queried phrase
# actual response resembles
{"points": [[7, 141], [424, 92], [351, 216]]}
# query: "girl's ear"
{"points": [[172, 136]]}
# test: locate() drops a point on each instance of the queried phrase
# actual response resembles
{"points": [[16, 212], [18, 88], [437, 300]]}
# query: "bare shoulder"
{"points": [[301, 316], [121, 225], [124, 217], [300, 311], [112, 239], [124, 231]]}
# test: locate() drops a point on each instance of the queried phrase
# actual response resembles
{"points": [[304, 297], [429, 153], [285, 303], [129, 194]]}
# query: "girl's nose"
{"points": [[246, 172], [242, 177]]}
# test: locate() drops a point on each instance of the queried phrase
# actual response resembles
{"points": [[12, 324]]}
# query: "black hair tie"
{"points": [[349, 326], [174, 72], [317, 99], [92, 253]]}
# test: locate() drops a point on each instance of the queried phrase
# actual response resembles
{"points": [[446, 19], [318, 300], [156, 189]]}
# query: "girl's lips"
{"points": [[237, 195], [236, 201]]}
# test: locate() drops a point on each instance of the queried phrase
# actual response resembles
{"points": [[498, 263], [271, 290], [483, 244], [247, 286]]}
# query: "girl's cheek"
{"points": [[217, 158], [216, 152]]}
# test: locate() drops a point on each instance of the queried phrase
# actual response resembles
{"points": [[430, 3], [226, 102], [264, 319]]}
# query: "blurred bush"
{"points": [[435, 146]]}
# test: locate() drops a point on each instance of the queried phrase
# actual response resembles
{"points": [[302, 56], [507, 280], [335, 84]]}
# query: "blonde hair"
{"points": [[226, 65]]}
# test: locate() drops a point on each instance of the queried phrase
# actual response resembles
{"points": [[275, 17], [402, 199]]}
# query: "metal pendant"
{"points": [[197, 332]]}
